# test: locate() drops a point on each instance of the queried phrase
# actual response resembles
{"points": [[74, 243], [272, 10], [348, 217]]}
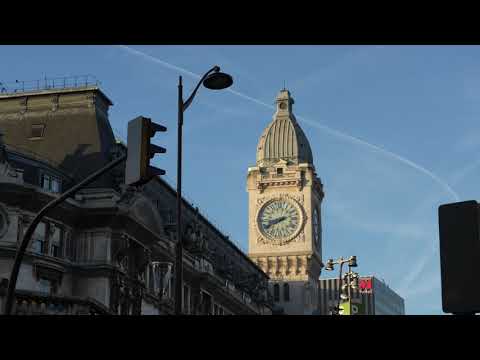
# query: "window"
{"points": [[56, 241], [37, 131], [218, 309], [160, 279], [3, 222], [286, 292], [39, 239], [186, 299], [206, 304], [276, 292], [44, 286], [50, 183], [279, 171], [47, 239], [47, 286], [193, 306], [69, 246], [170, 286]]}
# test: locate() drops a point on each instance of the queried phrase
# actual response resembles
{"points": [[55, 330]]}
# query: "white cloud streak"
{"points": [[327, 129]]}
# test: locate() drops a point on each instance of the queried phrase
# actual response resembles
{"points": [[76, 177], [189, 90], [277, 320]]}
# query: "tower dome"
{"points": [[283, 139]]}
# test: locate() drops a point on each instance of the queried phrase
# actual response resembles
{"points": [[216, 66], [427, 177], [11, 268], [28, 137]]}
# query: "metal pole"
{"points": [[179, 252], [31, 228], [349, 290], [340, 286]]}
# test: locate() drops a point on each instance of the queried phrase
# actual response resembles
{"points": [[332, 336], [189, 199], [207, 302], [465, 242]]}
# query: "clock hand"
{"points": [[270, 223], [280, 219], [275, 221]]}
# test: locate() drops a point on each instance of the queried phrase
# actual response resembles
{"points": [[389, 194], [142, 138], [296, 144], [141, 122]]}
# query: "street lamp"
{"points": [[213, 80]]}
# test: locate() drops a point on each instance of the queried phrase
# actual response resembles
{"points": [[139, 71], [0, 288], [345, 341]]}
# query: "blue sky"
{"points": [[394, 132]]}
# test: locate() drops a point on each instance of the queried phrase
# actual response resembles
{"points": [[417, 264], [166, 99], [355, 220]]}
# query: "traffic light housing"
{"points": [[459, 256], [140, 151]]}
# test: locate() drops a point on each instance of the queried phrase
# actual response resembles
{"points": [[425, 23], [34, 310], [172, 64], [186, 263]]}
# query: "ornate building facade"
{"points": [[285, 197], [110, 249]]}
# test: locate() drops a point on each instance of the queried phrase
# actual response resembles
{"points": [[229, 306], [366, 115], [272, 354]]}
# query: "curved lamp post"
{"points": [[214, 80]]}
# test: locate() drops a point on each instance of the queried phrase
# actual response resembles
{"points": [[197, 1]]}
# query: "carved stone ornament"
{"points": [[195, 238], [287, 179]]}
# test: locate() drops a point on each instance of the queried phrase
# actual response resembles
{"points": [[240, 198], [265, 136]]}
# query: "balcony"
{"points": [[33, 303]]}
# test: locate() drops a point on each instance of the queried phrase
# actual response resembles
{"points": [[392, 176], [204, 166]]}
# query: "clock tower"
{"points": [[285, 197]]}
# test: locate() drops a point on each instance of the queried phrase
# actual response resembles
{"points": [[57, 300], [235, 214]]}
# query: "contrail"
{"points": [[334, 132], [158, 61], [386, 152]]}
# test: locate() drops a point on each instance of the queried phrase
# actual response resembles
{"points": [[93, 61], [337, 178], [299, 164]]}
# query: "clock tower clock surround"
{"points": [[285, 197]]}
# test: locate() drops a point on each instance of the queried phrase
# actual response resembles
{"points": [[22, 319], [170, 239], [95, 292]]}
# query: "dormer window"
{"points": [[279, 171]]}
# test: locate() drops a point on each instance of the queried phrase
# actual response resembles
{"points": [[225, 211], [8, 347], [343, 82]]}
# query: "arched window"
{"points": [[276, 292], [286, 292]]}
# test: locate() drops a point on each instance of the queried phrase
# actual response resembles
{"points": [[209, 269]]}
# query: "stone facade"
{"points": [[110, 249]]}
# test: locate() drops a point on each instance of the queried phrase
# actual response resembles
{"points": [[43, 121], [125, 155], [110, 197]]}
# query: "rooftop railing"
{"points": [[67, 82]]}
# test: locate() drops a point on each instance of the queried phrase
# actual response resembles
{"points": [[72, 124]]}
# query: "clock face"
{"points": [[316, 226], [279, 219]]}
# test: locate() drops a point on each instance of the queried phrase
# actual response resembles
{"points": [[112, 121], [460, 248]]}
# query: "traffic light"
{"points": [[140, 151], [459, 256], [345, 283], [354, 281]]}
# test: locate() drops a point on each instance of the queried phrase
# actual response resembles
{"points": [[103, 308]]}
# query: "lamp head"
{"points": [[329, 266], [217, 80], [353, 261]]}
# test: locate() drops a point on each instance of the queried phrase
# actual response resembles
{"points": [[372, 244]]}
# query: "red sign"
{"points": [[366, 284]]}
